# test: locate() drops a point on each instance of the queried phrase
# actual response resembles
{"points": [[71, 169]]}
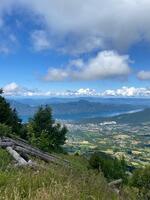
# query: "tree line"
{"points": [[41, 131]]}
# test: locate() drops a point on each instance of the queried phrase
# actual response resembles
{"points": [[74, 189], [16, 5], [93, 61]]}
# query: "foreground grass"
{"points": [[53, 183]]}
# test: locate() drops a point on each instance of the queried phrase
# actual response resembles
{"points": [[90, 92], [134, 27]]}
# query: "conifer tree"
{"points": [[9, 116], [44, 132]]}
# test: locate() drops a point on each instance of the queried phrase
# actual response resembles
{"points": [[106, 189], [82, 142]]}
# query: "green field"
{"points": [[119, 140]]}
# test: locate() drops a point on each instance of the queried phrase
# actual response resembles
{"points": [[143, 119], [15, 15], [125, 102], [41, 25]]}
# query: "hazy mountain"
{"points": [[135, 117], [74, 110], [23, 109], [84, 106], [56, 100]]}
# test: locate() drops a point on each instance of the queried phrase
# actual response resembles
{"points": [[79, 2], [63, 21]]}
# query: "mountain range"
{"points": [[120, 110]]}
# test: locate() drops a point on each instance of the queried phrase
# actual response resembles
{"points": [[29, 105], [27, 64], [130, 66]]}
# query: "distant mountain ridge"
{"points": [[56, 100], [22, 109], [75, 110], [128, 118]]}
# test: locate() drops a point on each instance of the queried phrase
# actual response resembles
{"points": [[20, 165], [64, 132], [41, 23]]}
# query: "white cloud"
{"points": [[54, 74], [99, 18], [81, 92], [107, 64], [40, 40], [14, 89], [128, 92], [92, 24], [144, 75]]}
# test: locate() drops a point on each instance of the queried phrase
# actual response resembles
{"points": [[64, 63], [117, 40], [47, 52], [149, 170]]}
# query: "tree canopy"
{"points": [[44, 132], [9, 116], [112, 168], [141, 180]]}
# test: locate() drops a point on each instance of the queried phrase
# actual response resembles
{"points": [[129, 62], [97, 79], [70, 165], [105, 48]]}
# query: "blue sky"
{"points": [[75, 48]]}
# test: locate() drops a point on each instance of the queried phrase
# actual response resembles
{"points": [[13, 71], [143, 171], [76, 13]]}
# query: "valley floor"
{"points": [[127, 140]]}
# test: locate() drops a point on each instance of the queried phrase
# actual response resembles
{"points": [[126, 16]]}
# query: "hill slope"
{"points": [[136, 117], [54, 182]]}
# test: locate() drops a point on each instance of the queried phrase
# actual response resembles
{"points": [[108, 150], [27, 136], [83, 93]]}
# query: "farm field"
{"points": [[129, 141]]}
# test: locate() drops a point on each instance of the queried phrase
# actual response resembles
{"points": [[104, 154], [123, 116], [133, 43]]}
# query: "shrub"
{"points": [[5, 160], [5, 130], [141, 180], [94, 161], [112, 168]]}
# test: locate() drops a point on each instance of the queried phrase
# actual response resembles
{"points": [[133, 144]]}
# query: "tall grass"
{"points": [[54, 183]]}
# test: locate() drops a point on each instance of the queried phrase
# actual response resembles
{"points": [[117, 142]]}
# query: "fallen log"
{"points": [[21, 161], [116, 182], [16, 156], [22, 146], [25, 156], [6, 144], [35, 151], [36, 154]]}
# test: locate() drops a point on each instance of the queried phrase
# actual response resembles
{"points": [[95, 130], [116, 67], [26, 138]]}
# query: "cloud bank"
{"points": [[106, 65], [96, 23], [128, 92], [14, 89], [85, 26]]}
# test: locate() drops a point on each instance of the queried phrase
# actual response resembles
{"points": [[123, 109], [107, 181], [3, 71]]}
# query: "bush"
{"points": [[5, 130], [94, 161], [5, 160], [141, 180], [112, 168]]}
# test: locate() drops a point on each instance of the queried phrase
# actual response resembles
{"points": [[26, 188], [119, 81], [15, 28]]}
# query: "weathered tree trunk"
{"points": [[36, 154], [116, 182], [22, 146], [5, 144], [16, 156]]}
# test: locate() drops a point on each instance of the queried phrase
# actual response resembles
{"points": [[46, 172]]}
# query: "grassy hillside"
{"points": [[54, 182]]}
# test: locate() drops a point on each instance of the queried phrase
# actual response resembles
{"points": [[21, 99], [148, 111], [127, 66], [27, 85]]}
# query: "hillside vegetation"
{"points": [[55, 182], [77, 181]]}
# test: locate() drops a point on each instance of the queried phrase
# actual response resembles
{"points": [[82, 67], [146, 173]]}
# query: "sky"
{"points": [[75, 48]]}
